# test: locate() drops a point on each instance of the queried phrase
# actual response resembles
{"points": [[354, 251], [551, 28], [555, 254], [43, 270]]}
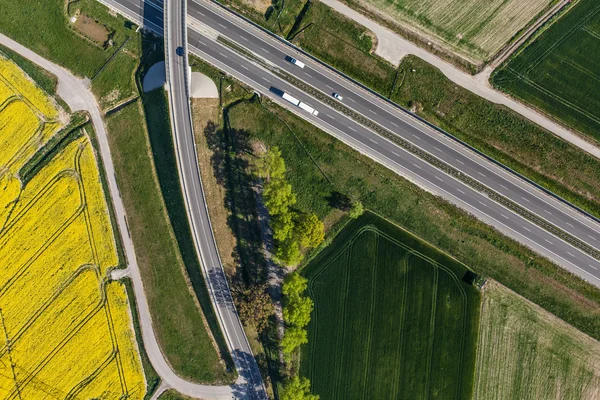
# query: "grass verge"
{"points": [[501, 134], [431, 218], [177, 318], [418, 321]]}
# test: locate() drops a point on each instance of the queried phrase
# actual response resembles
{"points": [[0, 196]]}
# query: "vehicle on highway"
{"points": [[179, 51], [295, 62], [337, 96], [298, 103]]}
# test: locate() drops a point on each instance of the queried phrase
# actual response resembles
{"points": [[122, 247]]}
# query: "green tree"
{"points": [[356, 210], [310, 231], [297, 389], [254, 305], [288, 252], [279, 196], [271, 165], [294, 285], [297, 311], [283, 225], [292, 339]]}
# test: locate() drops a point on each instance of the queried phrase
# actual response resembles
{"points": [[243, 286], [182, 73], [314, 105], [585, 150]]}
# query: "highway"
{"points": [[411, 129], [249, 384]]}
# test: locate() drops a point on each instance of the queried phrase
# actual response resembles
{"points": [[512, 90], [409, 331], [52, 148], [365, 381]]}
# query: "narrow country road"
{"points": [[393, 48], [78, 97]]}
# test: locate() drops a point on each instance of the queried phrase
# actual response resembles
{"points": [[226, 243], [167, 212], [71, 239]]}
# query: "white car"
{"points": [[337, 96]]}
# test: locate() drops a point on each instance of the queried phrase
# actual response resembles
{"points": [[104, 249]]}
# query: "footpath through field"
{"points": [[393, 48], [78, 97]]}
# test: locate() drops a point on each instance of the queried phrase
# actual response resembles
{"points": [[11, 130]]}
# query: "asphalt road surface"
{"points": [[411, 129], [249, 384]]}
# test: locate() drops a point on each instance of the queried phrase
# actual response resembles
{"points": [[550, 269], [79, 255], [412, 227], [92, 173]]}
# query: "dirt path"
{"points": [[392, 47]]}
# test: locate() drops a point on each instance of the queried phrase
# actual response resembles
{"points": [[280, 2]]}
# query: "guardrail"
{"points": [[402, 109]]}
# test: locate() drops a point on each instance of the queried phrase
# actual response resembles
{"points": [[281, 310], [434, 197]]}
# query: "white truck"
{"points": [[308, 108], [298, 103], [296, 62], [291, 99]]}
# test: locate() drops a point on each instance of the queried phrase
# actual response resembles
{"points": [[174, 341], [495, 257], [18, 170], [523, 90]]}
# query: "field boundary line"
{"points": [[399, 352], [372, 316], [432, 326]]}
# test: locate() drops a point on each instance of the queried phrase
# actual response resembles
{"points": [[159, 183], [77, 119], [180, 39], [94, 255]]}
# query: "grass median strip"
{"points": [[177, 318]]}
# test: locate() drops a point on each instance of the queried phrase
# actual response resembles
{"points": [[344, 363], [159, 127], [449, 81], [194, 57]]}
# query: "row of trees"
{"points": [[292, 230], [296, 314]]}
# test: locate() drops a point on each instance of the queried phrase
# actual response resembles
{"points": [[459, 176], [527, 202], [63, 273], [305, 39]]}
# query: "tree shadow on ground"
{"points": [[230, 162]]}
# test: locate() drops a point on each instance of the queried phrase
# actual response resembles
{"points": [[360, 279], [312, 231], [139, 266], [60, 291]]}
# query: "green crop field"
{"points": [[474, 28], [526, 353], [393, 318], [559, 72]]}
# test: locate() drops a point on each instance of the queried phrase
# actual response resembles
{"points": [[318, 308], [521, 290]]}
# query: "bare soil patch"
{"points": [[92, 29]]}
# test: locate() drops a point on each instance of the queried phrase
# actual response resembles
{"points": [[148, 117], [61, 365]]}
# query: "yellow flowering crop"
{"points": [[28, 117], [66, 330]]}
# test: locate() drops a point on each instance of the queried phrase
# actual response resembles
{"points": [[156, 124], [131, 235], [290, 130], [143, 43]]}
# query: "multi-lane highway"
{"points": [[249, 384], [411, 129]]}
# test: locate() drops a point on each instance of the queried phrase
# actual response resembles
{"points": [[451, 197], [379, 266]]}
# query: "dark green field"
{"points": [[393, 318], [560, 71]]}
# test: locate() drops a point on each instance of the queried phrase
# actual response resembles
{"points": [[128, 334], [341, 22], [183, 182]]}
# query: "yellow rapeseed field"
{"points": [[66, 328], [28, 118]]}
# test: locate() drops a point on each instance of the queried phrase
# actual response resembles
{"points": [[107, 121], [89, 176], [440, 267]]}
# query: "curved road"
{"points": [[78, 97], [249, 384], [317, 75]]}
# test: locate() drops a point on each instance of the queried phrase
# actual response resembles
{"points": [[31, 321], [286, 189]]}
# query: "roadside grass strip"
{"points": [[65, 328], [558, 71], [526, 353], [389, 320]]}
